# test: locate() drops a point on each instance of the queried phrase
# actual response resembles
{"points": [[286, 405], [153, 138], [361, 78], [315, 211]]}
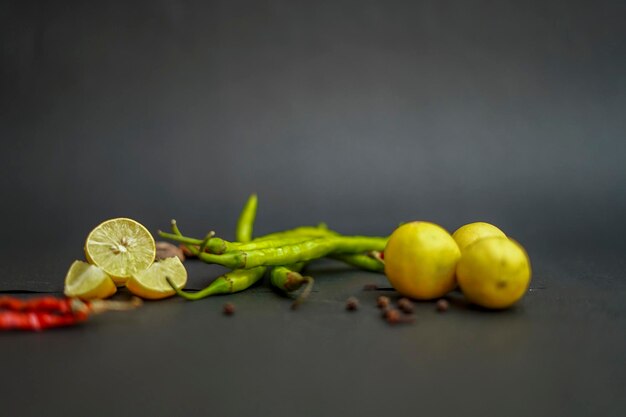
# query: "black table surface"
{"points": [[362, 114], [559, 352]]}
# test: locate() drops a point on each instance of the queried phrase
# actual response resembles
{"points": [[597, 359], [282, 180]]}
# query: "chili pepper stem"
{"points": [[205, 242], [305, 292], [210, 243], [180, 239], [177, 233]]}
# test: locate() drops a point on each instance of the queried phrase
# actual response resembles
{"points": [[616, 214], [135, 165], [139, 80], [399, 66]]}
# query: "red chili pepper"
{"points": [[41, 313], [46, 312], [10, 320], [52, 304]]}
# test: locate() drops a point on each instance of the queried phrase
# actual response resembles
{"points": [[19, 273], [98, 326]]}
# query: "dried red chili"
{"points": [[47, 312]]}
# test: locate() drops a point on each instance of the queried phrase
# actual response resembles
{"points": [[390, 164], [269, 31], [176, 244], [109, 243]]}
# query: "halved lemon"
{"points": [[121, 247], [152, 284], [88, 282]]}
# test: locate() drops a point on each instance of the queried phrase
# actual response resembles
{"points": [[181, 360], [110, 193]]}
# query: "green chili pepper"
{"points": [[290, 237], [288, 279], [362, 261], [288, 251], [218, 246], [299, 252], [245, 224], [234, 281], [321, 230]]}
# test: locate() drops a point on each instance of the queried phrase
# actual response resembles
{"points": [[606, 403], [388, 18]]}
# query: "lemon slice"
{"points": [[121, 247], [151, 283], [88, 282]]}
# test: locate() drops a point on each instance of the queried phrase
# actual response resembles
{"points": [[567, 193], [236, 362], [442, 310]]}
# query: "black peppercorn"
{"points": [[229, 309], [406, 305], [442, 305], [352, 304]]}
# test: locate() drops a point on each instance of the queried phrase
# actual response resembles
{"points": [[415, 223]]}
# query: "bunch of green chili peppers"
{"points": [[286, 252]]}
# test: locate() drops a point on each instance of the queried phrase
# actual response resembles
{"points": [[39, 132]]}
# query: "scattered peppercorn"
{"points": [[382, 302], [442, 305], [229, 309], [352, 304], [406, 305], [167, 250], [395, 316], [392, 316]]}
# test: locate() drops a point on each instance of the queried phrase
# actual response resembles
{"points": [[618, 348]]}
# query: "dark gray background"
{"points": [[362, 114]]}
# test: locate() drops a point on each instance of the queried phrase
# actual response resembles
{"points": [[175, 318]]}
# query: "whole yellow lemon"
{"points": [[420, 260], [470, 233], [494, 272]]}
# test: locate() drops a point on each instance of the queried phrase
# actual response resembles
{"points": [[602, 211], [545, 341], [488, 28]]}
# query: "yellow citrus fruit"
{"points": [[420, 260], [121, 247], [88, 282], [151, 283], [494, 272], [469, 233]]}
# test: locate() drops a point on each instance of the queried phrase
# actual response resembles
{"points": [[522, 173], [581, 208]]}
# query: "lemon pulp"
{"points": [[121, 247], [151, 283], [88, 282]]}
